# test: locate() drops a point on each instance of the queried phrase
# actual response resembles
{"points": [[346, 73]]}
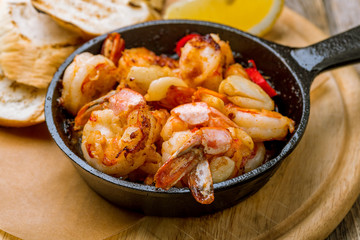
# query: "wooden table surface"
{"points": [[334, 16], [331, 16]]}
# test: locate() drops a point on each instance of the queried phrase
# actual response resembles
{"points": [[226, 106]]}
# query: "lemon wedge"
{"points": [[254, 16]]}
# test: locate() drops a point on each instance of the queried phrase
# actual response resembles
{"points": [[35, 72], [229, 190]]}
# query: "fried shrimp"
{"points": [[195, 159], [117, 140], [261, 125], [193, 135], [188, 122], [139, 66], [203, 61], [87, 78], [192, 115]]}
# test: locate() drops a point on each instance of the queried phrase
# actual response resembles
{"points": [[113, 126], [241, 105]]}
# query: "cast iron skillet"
{"points": [[292, 71]]}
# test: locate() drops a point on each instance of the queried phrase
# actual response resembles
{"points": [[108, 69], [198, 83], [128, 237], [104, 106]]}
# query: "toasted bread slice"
{"points": [[32, 44], [20, 105], [97, 17], [157, 5]]}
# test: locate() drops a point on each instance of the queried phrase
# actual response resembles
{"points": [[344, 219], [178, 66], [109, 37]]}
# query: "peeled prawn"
{"points": [[203, 60], [190, 158], [261, 125], [217, 124], [116, 140], [193, 135], [190, 115], [87, 78], [122, 102], [144, 58], [225, 50]]}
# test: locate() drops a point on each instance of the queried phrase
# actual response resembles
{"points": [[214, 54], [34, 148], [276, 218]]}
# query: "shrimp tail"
{"points": [[113, 47], [176, 168], [201, 184]]}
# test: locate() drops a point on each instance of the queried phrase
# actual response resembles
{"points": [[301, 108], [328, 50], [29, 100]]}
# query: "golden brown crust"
{"points": [[32, 45], [98, 17], [20, 105], [32, 65], [16, 123]]}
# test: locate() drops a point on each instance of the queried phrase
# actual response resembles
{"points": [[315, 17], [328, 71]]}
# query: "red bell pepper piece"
{"points": [[257, 78], [183, 41]]}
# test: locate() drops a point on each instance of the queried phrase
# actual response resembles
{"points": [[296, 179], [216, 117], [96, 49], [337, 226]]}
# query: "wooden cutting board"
{"points": [[314, 188]]}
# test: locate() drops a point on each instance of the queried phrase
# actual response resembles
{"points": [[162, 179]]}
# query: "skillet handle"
{"points": [[336, 51]]}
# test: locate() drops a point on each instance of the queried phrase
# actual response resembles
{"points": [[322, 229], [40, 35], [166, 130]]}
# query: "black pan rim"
{"points": [[287, 149]]}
